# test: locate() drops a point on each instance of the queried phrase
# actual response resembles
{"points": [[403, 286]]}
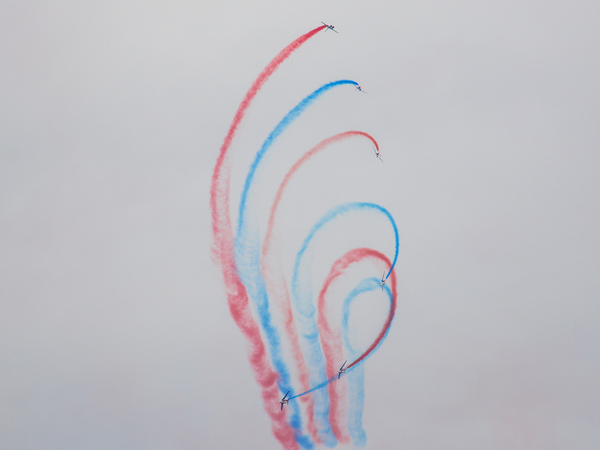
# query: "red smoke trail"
{"points": [[224, 254], [331, 340], [386, 325], [275, 279], [309, 154]]}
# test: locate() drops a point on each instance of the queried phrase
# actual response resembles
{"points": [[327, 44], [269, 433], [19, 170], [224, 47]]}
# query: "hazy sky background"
{"points": [[114, 326]]}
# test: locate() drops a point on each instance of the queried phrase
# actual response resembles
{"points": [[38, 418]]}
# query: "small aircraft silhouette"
{"points": [[284, 400], [329, 27], [359, 88], [383, 280], [342, 370], [378, 155]]}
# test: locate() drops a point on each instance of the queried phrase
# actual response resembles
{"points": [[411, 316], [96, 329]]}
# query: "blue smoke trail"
{"points": [[356, 403], [355, 354], [247, 256], [304, 305], [292, 115], [356, 392]]}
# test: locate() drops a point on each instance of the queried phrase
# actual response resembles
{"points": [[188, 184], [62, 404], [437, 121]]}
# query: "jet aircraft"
{"points": [[359, 88], [284, 400], [383, 280], [329, 27], [342, 370]]}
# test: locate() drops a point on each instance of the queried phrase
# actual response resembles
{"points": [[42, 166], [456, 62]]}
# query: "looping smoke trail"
{"points": [[356, 379], [331, 339], [305, 312], [247, 252], [275, 279], [224, 254], [246, 276]]}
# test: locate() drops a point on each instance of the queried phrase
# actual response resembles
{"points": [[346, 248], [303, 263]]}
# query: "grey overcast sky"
{"points": [[114, 326]]}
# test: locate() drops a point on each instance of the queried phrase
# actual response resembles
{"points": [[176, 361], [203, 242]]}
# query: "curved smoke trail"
{"points": [[275, 280], [331, 341], [305, 314], [247, 253], [247, 276], [224, 254], [356, 377], [293, 114]]}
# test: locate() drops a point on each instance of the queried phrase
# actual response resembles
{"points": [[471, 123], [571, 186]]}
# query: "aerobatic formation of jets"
{"points": [[285, 400]]}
